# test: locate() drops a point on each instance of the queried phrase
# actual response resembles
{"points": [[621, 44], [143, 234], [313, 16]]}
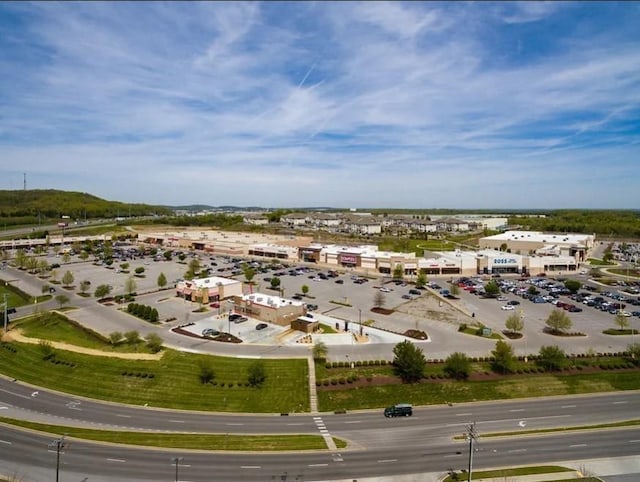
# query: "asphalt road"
{"points": [[380, 446]]}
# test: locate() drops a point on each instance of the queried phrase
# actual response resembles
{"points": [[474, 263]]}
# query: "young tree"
{"points": [[84, 255], [102, 291], [206, 373], [275, 283], [66, 258], [455, 289], [256, 374], [139, 270], [115, 337], [67, 279], [503, 357], [379, 300], [320, 350], [634, 350], [621, 322], [194, 266], [249, 273], [398, 272], [124, 266], [409, 362], [514, 323], [552, 358], [162, 280], [572, 285], [84, 286], [491, 288], [558, 321], [132, 337], [62, 300], [153, 342], [458, 366], [421, 280], [130, 285], [182, 257], [304, 289], [42, 266], [167, 255]]}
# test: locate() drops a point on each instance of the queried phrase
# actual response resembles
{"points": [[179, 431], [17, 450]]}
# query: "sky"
{"points": [[470, 105]]}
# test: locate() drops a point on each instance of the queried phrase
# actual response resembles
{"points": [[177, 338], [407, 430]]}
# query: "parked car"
{"points": [[414, 292], [507, 307], [407, 297], [261, 326], [513, 302], [340, 281], [215, 305]]}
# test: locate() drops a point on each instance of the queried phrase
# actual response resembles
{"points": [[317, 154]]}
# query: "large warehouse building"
{"points": [[536, 242]]}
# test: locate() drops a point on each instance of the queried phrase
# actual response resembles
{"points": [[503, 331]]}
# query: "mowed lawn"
{"points": [[171, 382], [450, 391]]}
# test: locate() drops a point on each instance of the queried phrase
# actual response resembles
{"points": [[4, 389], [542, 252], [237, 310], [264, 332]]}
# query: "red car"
{"points": [[215, 305]]}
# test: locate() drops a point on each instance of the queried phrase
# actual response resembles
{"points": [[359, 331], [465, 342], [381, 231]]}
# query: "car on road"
{"points": [[507, 307], [399, 410], [261, 326]]}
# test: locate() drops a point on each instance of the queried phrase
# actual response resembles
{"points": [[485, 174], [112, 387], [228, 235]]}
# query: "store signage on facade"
{"points": [[505, 261], [348, 258]]}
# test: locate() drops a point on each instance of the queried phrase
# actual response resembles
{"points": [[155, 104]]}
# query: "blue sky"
{"points": [[346, 104]]}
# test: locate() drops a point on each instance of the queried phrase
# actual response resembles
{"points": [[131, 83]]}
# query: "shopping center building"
{"points": [[535, 242]]}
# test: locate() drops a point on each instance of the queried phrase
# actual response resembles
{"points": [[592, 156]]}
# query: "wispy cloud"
{"points": [[346, 104]]}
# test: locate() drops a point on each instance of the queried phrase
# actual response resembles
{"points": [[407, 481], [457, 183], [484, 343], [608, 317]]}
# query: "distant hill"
{"points": [[41, 205]]}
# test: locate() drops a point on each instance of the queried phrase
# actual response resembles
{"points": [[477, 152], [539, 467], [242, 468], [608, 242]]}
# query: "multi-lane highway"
{"points": [[378, 446]]}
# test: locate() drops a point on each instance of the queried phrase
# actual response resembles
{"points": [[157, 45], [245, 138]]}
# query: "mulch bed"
{"points": [[382, 311]]}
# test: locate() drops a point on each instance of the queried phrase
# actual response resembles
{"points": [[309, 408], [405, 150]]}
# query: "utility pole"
{"points": [[176, 461], [471, 437], [59, 445]]}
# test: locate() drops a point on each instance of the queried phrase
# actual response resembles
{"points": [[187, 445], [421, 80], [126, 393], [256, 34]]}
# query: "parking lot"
{"points": [[347, 296]]}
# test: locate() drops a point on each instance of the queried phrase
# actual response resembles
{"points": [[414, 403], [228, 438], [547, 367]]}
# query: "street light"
{"points": [[58, 444], [176, 461]]}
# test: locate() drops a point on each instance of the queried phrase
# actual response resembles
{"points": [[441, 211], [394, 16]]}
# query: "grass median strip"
{"points": [[240, 443], [627, 423], [508, 473]]}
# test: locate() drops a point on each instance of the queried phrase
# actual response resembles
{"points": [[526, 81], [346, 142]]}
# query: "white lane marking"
{"points": [[568, 406], [516, 451], [250, 467], [386, 461], [517, 410], [317, 465], [14, 393], [577, 445], [353, 421], [620, 402], [463, 414], [235, 424], [4, 408], [123, 416], [294, 424], [508, 420], [5, 442], [176, 421], [634, 441], [452, 455], [116, 460]]}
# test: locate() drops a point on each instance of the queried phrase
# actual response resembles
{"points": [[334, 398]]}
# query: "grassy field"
{"points": [[14, 297], [507, 474], [55, 327], [171, 382], [186, 440], [448, 391]]}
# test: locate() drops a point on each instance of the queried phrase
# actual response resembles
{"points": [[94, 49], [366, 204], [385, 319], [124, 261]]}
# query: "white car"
{"points": [[385, 290], [502, 298], [508, 307]]}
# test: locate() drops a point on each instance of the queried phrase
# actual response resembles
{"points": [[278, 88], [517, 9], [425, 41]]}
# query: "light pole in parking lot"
{"points": [[176, 461]]}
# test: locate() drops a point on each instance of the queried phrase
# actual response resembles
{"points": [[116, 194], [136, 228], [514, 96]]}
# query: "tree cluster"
{"points": [[143, 311]]}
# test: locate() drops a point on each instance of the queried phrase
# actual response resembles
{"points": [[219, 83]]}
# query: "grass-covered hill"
{"points": [[45, 205]]}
